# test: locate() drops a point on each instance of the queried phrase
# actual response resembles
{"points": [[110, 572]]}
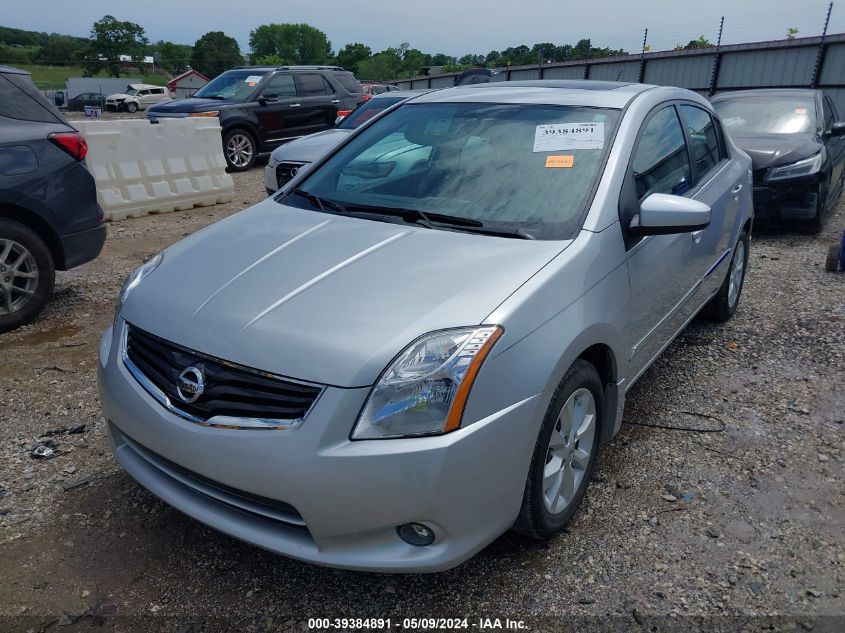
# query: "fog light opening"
{"points": [[416, 534]]}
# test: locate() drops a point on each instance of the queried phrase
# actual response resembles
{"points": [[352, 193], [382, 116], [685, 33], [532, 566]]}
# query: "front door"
{"points": [[662, 280], [720, 183], [276, 110]]}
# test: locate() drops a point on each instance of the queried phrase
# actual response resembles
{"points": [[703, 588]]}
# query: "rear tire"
{"points": [[552, 496], [724, 304], [27, 275]]}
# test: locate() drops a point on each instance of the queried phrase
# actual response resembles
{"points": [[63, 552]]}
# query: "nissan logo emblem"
{"points": [[190, 385]]}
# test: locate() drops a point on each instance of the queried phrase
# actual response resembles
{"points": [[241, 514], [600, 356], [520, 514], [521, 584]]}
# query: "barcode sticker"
{"points": [[566, 136]]}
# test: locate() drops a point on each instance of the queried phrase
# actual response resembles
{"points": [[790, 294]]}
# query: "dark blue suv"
{"points": [[49, 216]]}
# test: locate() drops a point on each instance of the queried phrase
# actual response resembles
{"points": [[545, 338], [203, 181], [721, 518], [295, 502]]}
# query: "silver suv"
{"points": [[384, 368]]}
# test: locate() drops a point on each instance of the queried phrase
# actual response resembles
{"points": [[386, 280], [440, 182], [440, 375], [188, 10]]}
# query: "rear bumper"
{"points": [[314, 495], [788, 200], [83, 246]]}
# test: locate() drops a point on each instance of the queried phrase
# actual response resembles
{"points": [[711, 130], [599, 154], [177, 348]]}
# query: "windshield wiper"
{"points": [[221, 97], [441, 220], [321, 203]]}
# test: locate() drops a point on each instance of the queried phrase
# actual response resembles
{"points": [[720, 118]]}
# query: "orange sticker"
{"points": [[251, 84], [800, 110], [559, 161]]}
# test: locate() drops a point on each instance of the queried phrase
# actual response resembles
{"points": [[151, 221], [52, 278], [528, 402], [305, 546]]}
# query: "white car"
{"points": [[289, 159], [137, 97]]}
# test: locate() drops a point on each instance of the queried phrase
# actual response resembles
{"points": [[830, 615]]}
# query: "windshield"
{"points": [[780, 114], [367, 111], [512, 167], [237, 85], [131, 92]]}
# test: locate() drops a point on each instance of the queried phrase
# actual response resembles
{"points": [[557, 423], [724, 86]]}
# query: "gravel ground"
{"points": [[679, 529]]}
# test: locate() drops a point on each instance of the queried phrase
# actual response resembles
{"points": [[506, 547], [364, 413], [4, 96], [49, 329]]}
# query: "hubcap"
{"points": [[570, 447], [239, 150], [18, 276], [737, 273]]}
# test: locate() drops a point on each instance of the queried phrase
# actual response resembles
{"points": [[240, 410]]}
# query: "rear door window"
{"points": [[661, 162], [312, 85]]}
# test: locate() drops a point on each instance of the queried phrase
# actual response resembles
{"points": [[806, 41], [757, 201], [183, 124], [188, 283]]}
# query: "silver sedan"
{"points": [[392, 362]]}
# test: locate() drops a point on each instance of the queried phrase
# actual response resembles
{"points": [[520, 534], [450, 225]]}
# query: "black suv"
{"points": [[49, 216], [260, 108]]}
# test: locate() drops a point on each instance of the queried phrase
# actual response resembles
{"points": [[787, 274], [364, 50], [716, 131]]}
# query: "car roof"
{"points": [[770, 92], [144, 86], [267, 69], [581, 92], [9, 70], [404, 94]]}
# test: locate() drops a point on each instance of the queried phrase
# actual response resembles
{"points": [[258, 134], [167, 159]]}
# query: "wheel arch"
{"points": [[40, 226]]}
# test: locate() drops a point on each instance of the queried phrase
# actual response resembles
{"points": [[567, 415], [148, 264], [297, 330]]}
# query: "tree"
{"points": [[791, 32], [353, 54], [61, 50], [293, 43], [701, 42], [384, 66], [111, 38], [215, 52], [172, 57]]}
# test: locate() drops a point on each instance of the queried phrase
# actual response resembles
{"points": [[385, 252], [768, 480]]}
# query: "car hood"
{"points": [[325, 298], [309, 148], [768, 150], [119, 95], [194, 104]]}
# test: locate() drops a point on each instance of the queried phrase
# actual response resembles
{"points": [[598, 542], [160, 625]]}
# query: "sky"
{"points": [[449, 26]]}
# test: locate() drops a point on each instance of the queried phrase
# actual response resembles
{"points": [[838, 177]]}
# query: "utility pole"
{"points": [[822, 49]]}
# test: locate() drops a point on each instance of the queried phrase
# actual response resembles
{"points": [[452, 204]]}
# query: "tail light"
{"points": [[71, 142], [366, 97], [341, 114]]}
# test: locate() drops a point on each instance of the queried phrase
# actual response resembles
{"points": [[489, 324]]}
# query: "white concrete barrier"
{"points": [[142, 168]]}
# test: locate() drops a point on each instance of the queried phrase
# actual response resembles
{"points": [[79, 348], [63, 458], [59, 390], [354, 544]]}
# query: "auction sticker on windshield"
{"points": [[252, 79], [565, 136]]}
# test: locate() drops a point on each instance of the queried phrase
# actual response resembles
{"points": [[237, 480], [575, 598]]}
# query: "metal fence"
{"points": [[808, 62]]}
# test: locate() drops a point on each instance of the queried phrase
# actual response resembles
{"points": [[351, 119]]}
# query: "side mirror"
{"points": [[664, 214], [265, 99], [837, 129]]}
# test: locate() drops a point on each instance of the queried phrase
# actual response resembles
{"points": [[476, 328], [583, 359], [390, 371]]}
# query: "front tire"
{"points": [[131, 107], [27, 275], [724, 304], [240, 149], [565, 453]]}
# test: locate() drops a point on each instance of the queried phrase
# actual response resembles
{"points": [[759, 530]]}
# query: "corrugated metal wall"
{"points": [[781, 63]]}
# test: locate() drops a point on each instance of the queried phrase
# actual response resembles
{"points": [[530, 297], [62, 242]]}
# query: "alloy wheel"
{"points": [[239, 150], [570, 448], [18, 276], [737, 274]]}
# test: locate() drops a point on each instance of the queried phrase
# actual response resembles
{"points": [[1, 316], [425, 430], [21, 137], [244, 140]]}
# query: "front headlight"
{"points": [[805, 167], [135, 278], [207, 113], [424, 390]]}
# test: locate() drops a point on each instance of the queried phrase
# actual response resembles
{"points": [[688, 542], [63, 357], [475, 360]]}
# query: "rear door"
{"points": [[318, 103], [662, 281]]}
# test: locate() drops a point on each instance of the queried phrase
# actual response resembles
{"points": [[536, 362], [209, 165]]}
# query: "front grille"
{"points": [[246, 502], [285, 172], [229, 389]]}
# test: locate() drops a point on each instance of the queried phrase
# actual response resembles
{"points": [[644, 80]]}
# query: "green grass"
{"points": [[55, 77]]}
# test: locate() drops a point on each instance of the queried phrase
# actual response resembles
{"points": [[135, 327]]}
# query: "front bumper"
{"points": [[344, 499], [271, 183], [786, 200]]}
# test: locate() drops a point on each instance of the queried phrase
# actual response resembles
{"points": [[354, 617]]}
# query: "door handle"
{"points": [[735, 191], [335, 100], [295, 105]]}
